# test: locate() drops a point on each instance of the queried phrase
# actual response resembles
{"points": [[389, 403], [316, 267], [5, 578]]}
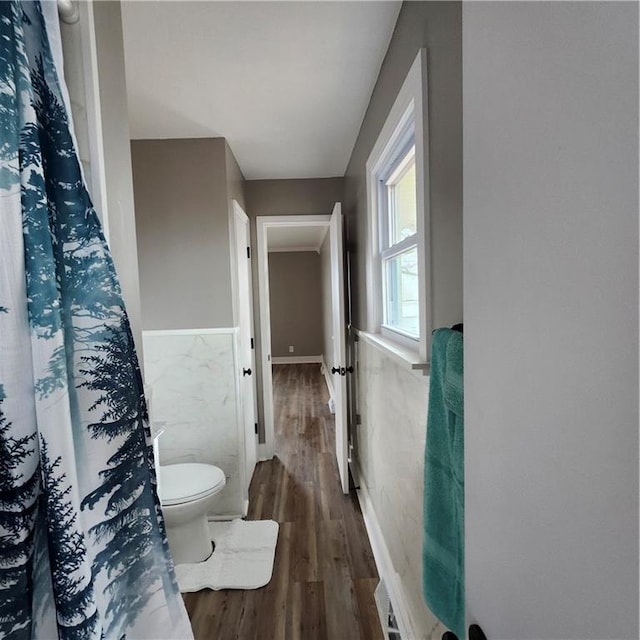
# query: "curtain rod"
{"points": [[68, 11]]}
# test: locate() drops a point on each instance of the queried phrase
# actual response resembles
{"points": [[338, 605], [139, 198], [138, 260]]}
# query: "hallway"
{"points": [[324, 574]]}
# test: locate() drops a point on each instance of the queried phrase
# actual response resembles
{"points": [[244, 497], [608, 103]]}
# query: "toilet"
{"points": [[187, 491]]}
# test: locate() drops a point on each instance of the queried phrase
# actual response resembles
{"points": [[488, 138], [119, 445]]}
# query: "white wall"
{"points": [[95, 77], [551, 319], [117, 157]]}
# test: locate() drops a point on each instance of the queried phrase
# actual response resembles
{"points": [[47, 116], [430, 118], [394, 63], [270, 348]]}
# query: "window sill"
{"points": [[404, 356]]}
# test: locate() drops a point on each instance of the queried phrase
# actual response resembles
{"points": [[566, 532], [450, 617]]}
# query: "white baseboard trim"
{"points": [[385, 566], [264, 453], [327, 377], [296, 359]]}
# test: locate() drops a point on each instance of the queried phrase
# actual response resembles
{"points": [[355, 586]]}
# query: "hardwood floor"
{"points": [[324, 574]]}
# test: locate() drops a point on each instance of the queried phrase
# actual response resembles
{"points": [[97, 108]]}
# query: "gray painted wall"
{"points": [[295, 291], [551, 319], [182, 218], [293, 197], [284, 198], [438, 27], [234, 178], [396, 498]]}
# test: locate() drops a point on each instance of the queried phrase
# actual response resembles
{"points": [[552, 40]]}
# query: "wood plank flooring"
{"points": [[324, 574]]}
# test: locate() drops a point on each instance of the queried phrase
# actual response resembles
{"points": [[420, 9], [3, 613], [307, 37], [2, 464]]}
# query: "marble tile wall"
{"points": [[192, 378], [391, 438]]}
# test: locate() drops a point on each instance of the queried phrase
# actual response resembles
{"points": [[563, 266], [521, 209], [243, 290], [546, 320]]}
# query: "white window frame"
{"points": [[408, 114]]}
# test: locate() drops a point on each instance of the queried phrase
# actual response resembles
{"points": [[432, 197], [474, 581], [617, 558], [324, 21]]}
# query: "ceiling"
{"points": [[300, 238], [286, 83]]}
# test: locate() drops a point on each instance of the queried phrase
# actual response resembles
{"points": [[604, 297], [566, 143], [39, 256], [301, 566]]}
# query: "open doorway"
{"points": [[322, 235], [298, 325]]}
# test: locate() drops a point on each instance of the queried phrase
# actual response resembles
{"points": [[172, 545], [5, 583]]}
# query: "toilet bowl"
{"points": [[187, 491]]}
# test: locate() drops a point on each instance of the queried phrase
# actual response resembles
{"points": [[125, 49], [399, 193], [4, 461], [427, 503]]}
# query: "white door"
{"points": [[244, 320], [339, 345]]}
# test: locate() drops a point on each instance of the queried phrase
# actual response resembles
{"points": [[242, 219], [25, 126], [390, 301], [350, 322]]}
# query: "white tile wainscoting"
{"points": [[194, 381], [393, 402]]}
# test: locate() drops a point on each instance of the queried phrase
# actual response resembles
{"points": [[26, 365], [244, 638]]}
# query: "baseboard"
{"points": [[264, 453], [385, 567], [296, 359]]}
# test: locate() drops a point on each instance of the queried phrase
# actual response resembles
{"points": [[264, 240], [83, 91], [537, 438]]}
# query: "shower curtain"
{"points": [[83, 551]]}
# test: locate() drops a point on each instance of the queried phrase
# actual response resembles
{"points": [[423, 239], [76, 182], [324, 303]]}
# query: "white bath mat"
{"points": [[243, 557]]}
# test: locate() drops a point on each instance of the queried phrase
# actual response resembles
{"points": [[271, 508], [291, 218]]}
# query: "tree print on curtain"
{"points": [[75, 602], [18, 495], [83, 551]]}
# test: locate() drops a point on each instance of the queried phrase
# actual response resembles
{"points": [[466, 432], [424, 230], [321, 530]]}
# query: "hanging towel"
{"points": [[443, 542]]}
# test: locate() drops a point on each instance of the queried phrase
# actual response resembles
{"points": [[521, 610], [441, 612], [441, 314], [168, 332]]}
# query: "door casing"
{"points": [[263, 223]]}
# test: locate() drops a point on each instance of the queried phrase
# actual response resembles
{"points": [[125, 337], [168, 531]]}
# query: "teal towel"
{"points": [[443, 548]]}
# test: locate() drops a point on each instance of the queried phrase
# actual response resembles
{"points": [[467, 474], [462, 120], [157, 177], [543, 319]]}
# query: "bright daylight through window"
{"points": [[399, 250]]}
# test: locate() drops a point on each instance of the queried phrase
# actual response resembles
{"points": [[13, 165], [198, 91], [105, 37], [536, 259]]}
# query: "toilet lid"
{"points": [[188, 481]]}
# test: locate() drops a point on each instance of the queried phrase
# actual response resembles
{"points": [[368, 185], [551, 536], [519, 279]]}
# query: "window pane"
{"points": [[401, 304], [402, 200]]}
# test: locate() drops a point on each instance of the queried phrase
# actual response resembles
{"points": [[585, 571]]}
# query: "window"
{"points": [[399, 247], [398, 291]]}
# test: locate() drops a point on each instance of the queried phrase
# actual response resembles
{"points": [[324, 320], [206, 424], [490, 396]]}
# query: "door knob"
{"points": [[476, 633], [335, 370], [350, 369], [246, 372]]}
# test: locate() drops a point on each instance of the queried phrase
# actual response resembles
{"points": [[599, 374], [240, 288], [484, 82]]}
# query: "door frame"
{"points": [[266, 449], [338, 318], [238, 218]]}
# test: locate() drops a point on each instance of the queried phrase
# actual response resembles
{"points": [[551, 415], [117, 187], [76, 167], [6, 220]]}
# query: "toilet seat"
{"points": [[186, 482]]}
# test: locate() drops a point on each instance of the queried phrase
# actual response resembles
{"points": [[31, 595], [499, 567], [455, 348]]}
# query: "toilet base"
{"points": [[186, 522], [190, 542]]}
